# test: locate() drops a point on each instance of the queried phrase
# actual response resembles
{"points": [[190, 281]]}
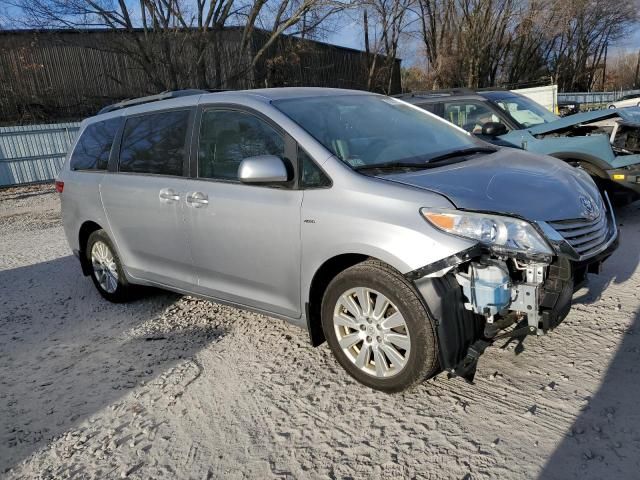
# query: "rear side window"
{"points": [[155, 143], [94, 145]]}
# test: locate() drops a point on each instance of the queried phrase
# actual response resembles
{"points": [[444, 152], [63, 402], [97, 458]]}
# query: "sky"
{"points": [[350, 35], [630, 43]]}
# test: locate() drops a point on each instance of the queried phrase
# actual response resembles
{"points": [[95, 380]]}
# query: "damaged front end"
{"points": [[496, 290], [611, 137]]}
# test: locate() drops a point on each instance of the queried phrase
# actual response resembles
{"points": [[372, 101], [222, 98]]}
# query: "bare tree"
{"points": [[465, 41], [390, 20], [480, 43], [177, 43], [589, 27]]}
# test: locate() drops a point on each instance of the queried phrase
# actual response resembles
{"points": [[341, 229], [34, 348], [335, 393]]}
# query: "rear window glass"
{"points": [[94, 146], [155, 143]]}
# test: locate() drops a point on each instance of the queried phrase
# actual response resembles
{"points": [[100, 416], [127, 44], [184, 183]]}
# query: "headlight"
{"points": [[502, 234]]}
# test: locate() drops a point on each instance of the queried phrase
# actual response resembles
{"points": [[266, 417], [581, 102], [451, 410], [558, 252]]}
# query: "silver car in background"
{"points": [[403, 241]]}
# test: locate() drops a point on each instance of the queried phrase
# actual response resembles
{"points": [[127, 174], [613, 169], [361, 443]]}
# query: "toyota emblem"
{"points": [[589, 210]]}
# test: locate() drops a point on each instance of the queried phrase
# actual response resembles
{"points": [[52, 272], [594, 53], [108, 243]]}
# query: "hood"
{"points": [[628, 115], [510, 182]]}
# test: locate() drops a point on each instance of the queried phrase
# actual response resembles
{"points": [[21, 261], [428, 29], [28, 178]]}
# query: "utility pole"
{"points": [[635, 78], [304, 25], [604, 67], [366, 32]]}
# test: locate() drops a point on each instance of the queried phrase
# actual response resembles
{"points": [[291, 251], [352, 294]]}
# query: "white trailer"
{"points": [[545, 96]]}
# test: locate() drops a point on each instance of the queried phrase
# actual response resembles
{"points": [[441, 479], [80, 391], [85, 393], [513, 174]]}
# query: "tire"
{"points": [[376, 281], [611, 107], [108, 276]]}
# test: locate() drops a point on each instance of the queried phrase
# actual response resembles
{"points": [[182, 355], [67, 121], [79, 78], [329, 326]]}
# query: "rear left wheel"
{"points": [[106, 269]]}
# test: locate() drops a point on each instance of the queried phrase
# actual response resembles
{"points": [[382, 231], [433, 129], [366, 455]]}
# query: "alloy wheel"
{"points": [[372, 332], [104, 267]]}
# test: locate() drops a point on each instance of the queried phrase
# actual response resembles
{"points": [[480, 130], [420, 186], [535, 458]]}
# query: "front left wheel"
{"points": [[378, 328], [106, 269]]}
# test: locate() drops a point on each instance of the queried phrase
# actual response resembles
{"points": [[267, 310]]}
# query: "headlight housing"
{"points": [[501, 234]]}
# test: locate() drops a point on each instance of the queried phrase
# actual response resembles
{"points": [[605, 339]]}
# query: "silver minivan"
{"points": [[403, 241]]}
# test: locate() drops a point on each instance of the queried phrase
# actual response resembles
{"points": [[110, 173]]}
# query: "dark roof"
{"points": [[498, 94], [422, 97]]}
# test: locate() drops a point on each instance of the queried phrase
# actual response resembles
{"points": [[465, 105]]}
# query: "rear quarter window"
{"points": [[155, 143], [94, 145]]}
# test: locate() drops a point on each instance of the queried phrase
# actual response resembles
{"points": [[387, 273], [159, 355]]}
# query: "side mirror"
{"points": [[263, 169], [494, 129]]}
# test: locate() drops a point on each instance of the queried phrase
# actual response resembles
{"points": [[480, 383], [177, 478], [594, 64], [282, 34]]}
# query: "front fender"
{"points": [[387, 228]]}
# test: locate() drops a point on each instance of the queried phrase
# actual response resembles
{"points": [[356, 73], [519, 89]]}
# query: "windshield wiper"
{"points": [[461, 153], [429, 163], [391, 165]]}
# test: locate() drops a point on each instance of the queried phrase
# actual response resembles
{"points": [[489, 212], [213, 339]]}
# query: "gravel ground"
{"points": [[174, 387]]}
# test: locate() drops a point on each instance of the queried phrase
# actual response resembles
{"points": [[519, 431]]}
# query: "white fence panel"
{"points": [[34, 153]]}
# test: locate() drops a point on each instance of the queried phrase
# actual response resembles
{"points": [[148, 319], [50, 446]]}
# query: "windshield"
{"points": [[525, 111], [368, 130]]}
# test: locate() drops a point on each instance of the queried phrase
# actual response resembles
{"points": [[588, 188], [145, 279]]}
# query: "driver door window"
{"points": [[228, 136], [469, 116]]}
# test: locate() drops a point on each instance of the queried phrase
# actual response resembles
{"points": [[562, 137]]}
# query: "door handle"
{"points": [[168, 195], [197, 199]]}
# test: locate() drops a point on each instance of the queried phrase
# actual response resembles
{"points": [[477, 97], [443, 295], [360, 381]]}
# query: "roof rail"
{"points": [[437, 93], [153, 98]]}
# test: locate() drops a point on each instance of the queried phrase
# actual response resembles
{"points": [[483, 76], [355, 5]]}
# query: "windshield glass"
{"points": [[525, 111], [366, 130]]}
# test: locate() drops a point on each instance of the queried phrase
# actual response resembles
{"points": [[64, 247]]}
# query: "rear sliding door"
{"points": [[144, 198]]}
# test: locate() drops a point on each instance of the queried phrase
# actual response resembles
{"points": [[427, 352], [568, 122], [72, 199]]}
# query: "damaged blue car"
{"points": [[605, 143]]}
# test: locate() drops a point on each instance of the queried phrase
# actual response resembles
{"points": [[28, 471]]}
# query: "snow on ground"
{"points": [[174, 387]]}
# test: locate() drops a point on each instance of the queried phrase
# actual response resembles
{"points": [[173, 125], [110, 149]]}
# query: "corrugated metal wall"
{"points": [[62, 75], [594, 97], [34, 153]]}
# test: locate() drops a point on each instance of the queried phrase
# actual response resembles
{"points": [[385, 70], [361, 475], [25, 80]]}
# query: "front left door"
{"points": [[245, 239]]}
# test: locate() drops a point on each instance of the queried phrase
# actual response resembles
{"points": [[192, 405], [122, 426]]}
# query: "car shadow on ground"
{"points": [[604, 440], [65, 353]]}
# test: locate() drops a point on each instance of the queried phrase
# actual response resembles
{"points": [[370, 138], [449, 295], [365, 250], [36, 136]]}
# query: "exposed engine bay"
{"points": [[623, 136], [491, 297], [505, 291]]}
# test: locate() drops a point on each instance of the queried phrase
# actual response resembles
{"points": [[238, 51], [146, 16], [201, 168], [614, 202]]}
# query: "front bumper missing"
{"points": [[537, 306]]}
